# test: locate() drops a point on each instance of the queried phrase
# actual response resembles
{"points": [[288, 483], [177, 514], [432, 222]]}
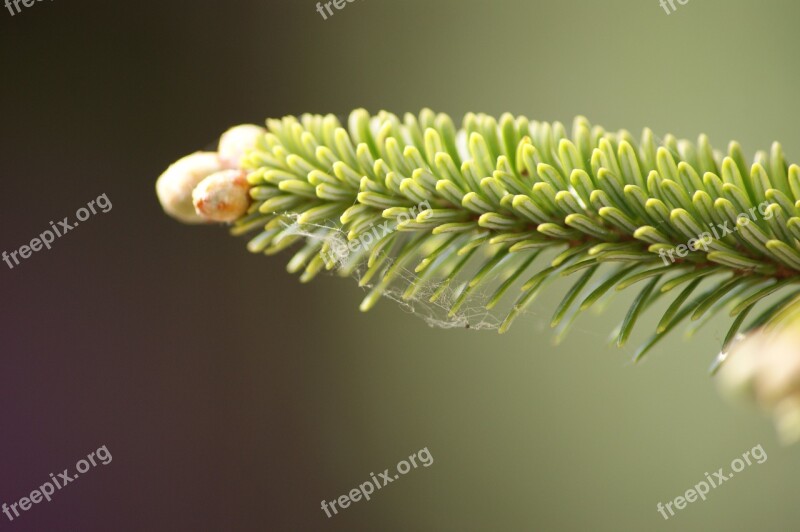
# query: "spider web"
{"points": [[472, 313]]}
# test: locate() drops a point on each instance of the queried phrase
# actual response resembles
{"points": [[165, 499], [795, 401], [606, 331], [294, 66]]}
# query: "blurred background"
{"points": [[232, 397]]}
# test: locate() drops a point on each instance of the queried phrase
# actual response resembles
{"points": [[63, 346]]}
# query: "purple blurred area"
{"points": [[133, 331]]}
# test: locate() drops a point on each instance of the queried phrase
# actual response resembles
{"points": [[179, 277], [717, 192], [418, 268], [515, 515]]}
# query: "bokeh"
{"points": [[233, 397]]}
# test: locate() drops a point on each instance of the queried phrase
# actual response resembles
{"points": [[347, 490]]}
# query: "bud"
{"points": [[778, 375], [223, 196], [787, 419], [174, 187], [737, 375], [765, 367], [237, 141]]}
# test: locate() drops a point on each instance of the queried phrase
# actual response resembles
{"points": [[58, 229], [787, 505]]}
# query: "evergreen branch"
{"points": [[497, 195]]}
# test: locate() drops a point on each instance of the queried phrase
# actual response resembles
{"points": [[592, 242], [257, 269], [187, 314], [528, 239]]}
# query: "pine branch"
{"points": [[490, 200]]}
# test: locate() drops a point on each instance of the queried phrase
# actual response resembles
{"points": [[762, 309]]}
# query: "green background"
{"points": [[234, 398], [528, 436]]}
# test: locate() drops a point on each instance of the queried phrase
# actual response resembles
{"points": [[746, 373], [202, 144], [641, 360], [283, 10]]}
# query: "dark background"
{"points": [[232, 397], [130, 332]]}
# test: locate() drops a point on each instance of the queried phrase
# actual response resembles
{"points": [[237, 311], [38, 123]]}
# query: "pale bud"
{"points": [[787, 419], [765, 367], [175, 186], [778, 375], [737, 375], [223, 196], [237, 141]]}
